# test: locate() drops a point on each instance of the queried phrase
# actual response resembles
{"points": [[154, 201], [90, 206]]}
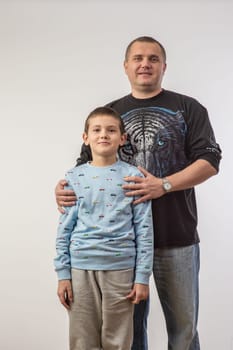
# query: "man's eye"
{"points": [[154, 59], [96, 130]]}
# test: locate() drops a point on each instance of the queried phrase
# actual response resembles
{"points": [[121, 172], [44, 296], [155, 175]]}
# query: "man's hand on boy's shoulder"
{"points": [[64, 198]]}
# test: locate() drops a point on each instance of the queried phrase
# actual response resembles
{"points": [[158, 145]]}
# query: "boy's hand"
{"points": [[64, 292], [64, 198], [138, 293]]}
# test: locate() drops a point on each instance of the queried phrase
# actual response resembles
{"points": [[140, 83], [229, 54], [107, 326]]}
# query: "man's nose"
{"points": [[146, 63]]}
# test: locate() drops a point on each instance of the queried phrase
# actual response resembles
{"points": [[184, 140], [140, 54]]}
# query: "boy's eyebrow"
{"points": [[107, 126]]}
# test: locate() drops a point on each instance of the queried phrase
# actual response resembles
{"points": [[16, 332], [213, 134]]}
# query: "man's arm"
{"points": [[150, 187], [64, 198]]}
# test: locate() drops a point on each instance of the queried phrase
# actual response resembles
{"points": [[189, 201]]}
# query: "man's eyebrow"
{"points": [[141, 55], [154, 55]]}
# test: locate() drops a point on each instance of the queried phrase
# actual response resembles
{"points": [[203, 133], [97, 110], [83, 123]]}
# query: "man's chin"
{"points": [[147, 87]]}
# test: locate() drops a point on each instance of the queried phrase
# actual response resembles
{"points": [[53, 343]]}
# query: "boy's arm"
{"points": [[143, 227], [144, 235], [62, 261], [66, 225], [62, 264]]}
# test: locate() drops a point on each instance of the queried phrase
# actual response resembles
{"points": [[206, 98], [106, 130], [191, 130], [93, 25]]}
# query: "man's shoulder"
{"points": [[180, 96], [117, 101], [164, 94]]}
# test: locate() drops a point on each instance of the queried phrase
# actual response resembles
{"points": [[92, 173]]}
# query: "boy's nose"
{"points": [[103, 134]]}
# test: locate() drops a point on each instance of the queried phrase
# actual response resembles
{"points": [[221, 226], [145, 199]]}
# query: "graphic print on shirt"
{"points": [[155, 140]]}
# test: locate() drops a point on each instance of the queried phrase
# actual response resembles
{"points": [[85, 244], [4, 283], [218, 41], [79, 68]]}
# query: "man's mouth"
{"points": [[144, 73]]}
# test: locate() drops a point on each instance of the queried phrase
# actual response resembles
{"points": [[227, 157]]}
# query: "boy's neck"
{"points": [[101, 162]]}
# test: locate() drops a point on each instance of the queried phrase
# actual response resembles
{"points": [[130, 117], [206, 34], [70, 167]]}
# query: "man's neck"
{"points": [[145, 94]]}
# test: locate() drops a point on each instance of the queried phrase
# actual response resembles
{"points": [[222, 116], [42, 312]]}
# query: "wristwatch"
{"points": [[166, 185]]}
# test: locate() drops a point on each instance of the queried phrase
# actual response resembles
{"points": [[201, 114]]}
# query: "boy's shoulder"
{"points": [[125, 168], [131, 169], [77, 170]]}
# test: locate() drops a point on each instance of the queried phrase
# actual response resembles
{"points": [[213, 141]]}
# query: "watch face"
{"points": [[166, 185]]}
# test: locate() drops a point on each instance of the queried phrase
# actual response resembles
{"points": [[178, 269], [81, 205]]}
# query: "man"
{"points": [[170, 136]]}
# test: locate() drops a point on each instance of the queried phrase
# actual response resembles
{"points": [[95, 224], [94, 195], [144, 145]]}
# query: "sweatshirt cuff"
{"points": [[64, 274], [142, 277]]}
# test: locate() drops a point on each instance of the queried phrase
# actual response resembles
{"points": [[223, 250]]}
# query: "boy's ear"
{"points": [[85, 139], [123, 139]]}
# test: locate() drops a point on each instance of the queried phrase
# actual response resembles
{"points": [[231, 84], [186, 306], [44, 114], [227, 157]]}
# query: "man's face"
{"points": [[145, 68]]}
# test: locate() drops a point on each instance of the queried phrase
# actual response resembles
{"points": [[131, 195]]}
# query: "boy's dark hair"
{"points": [[85, 154]]}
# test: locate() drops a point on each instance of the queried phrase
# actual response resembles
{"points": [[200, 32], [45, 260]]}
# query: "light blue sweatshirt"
{"points": [[104, 230]]}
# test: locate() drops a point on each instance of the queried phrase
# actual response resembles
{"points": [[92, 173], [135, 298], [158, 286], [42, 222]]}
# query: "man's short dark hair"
{"points": [[146, 39]]}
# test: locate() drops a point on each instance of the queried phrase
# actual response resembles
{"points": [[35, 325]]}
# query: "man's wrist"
{"points": [[166, 184]]}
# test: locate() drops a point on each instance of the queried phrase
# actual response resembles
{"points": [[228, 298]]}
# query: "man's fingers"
{"points": [[134, 193], [63, 201], [132, 187], [136, 179], [65, 194], [63, 182], [144, 171], [67, 199], [142, 199], [61, 209]]}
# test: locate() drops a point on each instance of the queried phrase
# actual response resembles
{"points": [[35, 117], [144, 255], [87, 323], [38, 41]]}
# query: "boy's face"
{"points": [[104, 136]]}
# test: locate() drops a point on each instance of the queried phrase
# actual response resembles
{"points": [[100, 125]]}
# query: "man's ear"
{"points": [[126, 67], [164, 68]]}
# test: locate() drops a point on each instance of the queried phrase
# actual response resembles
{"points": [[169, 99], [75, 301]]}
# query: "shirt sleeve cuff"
{"points": [[142, 278], [64, 274]]}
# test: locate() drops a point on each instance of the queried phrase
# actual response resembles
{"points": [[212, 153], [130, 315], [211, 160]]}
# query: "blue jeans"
{"points": [[176, 273], [141, 312]]}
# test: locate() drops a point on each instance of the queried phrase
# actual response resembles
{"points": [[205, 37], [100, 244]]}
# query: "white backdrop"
{"points": [[59, 60]]}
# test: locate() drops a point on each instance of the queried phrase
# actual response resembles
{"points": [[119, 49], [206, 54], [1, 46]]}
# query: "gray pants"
{"points": [[101, 318]]}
